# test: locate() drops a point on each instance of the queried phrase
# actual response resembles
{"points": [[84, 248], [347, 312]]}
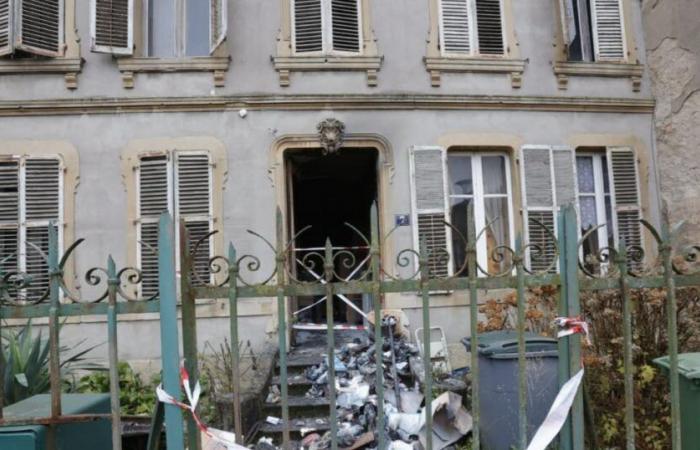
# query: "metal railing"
{"points": [[247, 277]]}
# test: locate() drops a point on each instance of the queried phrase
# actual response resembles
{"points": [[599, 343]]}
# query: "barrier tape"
{"points": [[212, 438], [556, 417]]}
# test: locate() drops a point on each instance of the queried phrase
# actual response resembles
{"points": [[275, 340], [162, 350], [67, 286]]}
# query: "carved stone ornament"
{"points": [[331, 133]]}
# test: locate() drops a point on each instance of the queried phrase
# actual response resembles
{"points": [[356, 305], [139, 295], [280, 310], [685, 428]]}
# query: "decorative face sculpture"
{"points": [[331, 133]]}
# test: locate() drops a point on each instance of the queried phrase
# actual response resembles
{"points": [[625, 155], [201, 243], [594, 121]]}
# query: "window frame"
{"points": [[327, 31], [478, 199], [599, 195]]}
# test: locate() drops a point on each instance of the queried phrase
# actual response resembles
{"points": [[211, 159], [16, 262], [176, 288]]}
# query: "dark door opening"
{"points": [[325, 192]]}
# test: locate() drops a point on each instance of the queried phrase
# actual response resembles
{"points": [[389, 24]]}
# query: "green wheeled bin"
{"points": [[689, 387]]}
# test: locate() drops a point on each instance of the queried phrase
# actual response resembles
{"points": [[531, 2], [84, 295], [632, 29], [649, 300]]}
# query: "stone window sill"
{"points": [[439, 64], [70, 67], [564, 69], [286, 64], [129, 66]]}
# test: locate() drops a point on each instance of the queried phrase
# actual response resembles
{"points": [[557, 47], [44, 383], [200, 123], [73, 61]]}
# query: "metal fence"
{"points": [[624, 269]]}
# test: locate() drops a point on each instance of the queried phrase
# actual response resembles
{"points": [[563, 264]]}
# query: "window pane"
{"points": [[197, 33], [589, 218], [161, 28], [584, 168], [459, 220], [496, 234], [494, 174], [460, 168]]}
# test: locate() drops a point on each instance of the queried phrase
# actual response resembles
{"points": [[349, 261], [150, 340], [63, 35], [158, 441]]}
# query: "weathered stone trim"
{"points": [[362, 102], [563, 70], [129, 66], [286, 64], [437, 65]]}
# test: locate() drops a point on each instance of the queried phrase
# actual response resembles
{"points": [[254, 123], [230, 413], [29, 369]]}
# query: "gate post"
{"points": [[169, 340], [572, 435]]}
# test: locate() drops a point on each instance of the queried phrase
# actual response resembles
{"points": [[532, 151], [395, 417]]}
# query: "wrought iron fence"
{"points": [[247, 276]]}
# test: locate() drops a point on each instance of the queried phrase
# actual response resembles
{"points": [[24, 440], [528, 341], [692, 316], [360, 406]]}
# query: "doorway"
{"points": [[324, 192]]}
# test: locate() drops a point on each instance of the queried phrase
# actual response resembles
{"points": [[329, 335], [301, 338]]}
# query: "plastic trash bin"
{"points": [[498, 385], [689, 387]]}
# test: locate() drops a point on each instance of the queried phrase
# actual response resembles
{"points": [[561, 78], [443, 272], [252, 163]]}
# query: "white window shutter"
{"points": [[9, 215], [40, 27], [6, 20], [608, 30], [307, 24], [568, 21], [194, 206], [218, 14], [153, 200], [42, 199], [112, 26], [430, 206], [455, 27], [346, 25], [490, 27], [539, 204], [622, 164], [565, 179]]}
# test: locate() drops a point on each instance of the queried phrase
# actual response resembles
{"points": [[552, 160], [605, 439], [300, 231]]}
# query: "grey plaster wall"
{"points": [[673, 48]]}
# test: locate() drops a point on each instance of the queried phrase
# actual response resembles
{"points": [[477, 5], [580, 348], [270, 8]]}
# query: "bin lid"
{"points": [[688, 364], [506, 342], [40, 405]]}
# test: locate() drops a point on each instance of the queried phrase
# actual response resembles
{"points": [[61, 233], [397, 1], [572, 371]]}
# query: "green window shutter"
{"points": [[40, 29], [429, 206], [455, 27], [346, 25], [307, 24], [608, 31], [112, 26]]}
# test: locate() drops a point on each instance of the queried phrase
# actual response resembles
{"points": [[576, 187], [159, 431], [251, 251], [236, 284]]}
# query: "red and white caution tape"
{"points": [[556, 417], [212, 439]]}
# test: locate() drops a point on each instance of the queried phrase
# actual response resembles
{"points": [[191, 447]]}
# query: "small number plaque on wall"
{"points": [[402, 220]]}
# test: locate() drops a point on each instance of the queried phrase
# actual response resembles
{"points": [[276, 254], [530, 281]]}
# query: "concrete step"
{"points": [[296, 425], [299, 402]]}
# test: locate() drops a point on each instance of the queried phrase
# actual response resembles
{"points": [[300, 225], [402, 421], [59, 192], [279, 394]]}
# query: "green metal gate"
{"points": [[624, 271]]}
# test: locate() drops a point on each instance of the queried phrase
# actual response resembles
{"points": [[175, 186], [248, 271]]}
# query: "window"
{"points": [[443, 186], [594, 30], [613, 207], [31, 27], [30, 199], [171, 28], [471, 27], [178, 183], [327, 26]]}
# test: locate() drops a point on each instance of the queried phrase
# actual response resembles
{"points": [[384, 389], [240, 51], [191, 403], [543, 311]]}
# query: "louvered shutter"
{"points": [[429, 201], [548, 183], [308, 26], [193, 205], [153, 201], [40, 28], [608, 34], [490, 27], [218, 14], [42, 206], [455, 27], [112, 27], [6, 16], [345, 21], [9, 216], [622, 165], [568, 21]]}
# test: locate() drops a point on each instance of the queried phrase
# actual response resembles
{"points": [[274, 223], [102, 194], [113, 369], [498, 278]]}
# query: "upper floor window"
{"points": [[594, 30], [471, 27], [32, 27], [327, 26], [178, 183], [169, 28], [30, 200]]}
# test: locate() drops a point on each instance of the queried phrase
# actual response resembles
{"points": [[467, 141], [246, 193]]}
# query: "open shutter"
{"points": [[6, 41], [429, 202], [153, 201], [490, 27], [608, 34], [308, 26], [568, 21], [194, 205], [218, 13], [346, 25], [9, 216], [42, 205], [625, 190], [112, 26], [455, 27], [40, 28]]}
